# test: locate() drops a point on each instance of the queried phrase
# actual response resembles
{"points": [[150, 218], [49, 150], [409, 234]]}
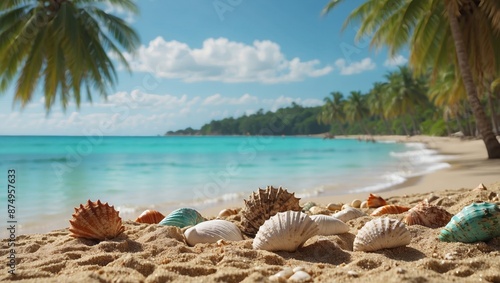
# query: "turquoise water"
{"points": [[55, 174]]}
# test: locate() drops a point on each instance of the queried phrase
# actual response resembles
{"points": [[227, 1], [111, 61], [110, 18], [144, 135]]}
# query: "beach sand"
{"points": [[151, 253]]}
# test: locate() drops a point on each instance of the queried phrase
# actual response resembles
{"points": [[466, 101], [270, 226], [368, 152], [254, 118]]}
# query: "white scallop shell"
{"points": [[348, 214], [381, 233], [285, 231], [211, 231], [329, 225]]}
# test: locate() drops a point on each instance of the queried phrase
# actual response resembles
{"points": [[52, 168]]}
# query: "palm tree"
{"points": [[405, 94], [356, 110], [62, 45], [468, 37], [333, 110], [376, 105]]}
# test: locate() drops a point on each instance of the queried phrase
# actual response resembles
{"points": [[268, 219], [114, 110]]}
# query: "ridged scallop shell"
{"points": [[263, 204], [150, 216], [329, 225], [211, 231], [348, 214], [381, 233], [474, 223], [375, 201], [182, 217], [389, 209], [285, 231], [427, 215], [96, 221]]}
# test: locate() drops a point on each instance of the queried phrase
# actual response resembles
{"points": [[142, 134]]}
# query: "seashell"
{"points": [[263, 204], [212, 231], [364, 204], [329, 225], [282, 275], [96, 221], [375, 201], [308, 205], [345, 206], [334, 206], [389, 209], [300, 276], [182, 217], [150, 216], [356, 203], [381, 233], [474, 223], [427, 215], [285, 231], [348, 214], [227, 212], [480, 187], [319, 210]]}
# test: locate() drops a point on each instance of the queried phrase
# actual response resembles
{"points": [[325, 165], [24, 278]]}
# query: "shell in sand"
{"points": [[375, 201], [150, 216], [474, 223], [96, 221], [263, 204], [427, 215], [381, 233], [329, 225], [285, 231], [348, 214], [212, 231], [389, 209], [182, 217]]}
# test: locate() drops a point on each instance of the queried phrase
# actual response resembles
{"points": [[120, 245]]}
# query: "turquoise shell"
{"points": [[476, 222], [182, 217]]}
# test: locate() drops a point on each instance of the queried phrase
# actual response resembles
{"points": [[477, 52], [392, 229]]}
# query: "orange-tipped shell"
{"points": [[389, 209], [96, 221], [374, 201], [150, 216]]}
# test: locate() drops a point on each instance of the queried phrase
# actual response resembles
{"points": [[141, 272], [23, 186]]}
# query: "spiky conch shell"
{"points": [[381, 233], [211, 231], [96, 221], [375, 201], [474, 223], [263, 204], [150, 216], [348, 213], [427, 215], [285, 231], [389, 209]]}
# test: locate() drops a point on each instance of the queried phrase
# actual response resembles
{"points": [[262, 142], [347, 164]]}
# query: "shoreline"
{"points": [[468, 161]]}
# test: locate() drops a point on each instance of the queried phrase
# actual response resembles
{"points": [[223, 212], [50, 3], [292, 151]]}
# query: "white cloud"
{"points": [[395, 61], [120, 11], [224, 61], [139, 113], [355, 67]]}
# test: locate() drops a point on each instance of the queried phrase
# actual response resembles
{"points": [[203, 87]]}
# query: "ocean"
{"points": [[54, 174]]}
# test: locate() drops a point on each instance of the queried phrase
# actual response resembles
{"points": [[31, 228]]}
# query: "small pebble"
{"points": [[300, 276], [334, 206], [356, 203], [346, 206], [450, 256], [364, 204], [400, 270], [352, 273], [319, 210]]}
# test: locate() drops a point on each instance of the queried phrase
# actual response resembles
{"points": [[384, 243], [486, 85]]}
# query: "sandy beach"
{"points": [[152, 253]]}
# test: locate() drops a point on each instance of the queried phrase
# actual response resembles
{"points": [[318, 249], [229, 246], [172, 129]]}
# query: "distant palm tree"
{"points": [[356, 109], [375, 101], [63, 45], [333, 110], [405, 94], [469, 32]]}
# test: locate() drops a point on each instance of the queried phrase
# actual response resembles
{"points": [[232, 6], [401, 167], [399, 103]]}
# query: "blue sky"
{"points": [[201, 60]]}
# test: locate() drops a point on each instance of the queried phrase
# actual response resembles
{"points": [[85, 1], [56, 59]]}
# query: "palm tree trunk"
{"points": [[493, 113], [489, 139], [404, 127]]}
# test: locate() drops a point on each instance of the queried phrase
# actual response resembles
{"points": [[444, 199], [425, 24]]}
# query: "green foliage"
{"points": [[294, 120]]}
